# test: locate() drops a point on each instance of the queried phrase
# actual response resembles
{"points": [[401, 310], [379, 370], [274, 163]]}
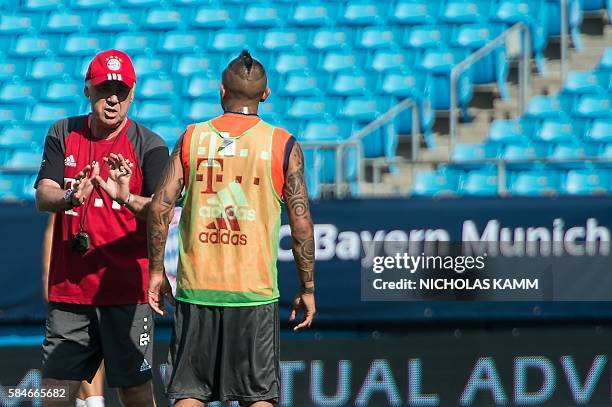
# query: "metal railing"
{"points": [[524, 71], [355, 142], [564, 42]]}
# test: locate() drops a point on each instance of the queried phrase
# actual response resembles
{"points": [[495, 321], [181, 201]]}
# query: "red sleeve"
{"points": [[282, 143]]}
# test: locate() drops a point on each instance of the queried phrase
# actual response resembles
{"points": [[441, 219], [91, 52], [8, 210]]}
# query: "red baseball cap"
{"points": [[111, 65]]}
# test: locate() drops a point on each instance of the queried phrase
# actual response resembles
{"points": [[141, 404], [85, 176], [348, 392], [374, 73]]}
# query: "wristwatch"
{"points": [[69, 197]]}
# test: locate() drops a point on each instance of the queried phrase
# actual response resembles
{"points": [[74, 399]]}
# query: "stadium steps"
{"points": [[487, 106]]}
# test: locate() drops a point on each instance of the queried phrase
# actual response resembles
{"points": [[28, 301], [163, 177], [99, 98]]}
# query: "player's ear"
{"points": [[132, 93], [222, 91], [265, 95]]}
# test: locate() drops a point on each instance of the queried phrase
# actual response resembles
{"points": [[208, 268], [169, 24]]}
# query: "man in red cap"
{"points": [[98, 173]]}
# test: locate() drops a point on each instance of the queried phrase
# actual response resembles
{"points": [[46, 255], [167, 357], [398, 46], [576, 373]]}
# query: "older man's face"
{"points": [[110, 102]]}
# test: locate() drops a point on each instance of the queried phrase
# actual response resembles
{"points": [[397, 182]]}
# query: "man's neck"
{"points": [[240, 108], [100, 132]]}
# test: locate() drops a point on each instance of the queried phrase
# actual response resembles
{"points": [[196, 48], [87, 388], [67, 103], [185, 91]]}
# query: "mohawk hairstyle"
{"points": [[245, 77]]}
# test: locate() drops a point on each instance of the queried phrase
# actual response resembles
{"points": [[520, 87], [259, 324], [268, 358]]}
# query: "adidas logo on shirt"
{"points": [[69, 161], [145, 366]]}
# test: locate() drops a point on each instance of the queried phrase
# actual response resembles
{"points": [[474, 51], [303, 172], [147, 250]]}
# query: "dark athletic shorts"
{"points": [[77, 337], [225, 353]]}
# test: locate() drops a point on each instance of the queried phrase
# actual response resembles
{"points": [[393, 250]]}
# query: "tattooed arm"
{"points": [[159, 217], [302, 235]]}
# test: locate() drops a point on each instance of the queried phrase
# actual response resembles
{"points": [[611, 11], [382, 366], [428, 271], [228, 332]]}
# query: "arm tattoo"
{"points": [[296, 200], [162, 208]]}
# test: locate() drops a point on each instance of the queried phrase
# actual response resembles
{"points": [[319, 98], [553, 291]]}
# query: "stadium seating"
{"points": [[329, 61]]}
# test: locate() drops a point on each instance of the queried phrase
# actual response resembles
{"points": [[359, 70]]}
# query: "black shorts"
{"points": [[225, 353], [77, 337]]}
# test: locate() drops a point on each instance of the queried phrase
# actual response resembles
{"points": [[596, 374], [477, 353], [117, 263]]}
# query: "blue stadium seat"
{"points": [[375, 38], [605, 62], [135, 43], [417, 86], [604, 78], [313, 15], [303, 84], [478, 183], [439, 63], [191, 2], [201, 64], [29, 46], [273, 111], [542, 107], [12, 114], [291, 61], [363, 109], [42, 5], [65, 22], [335, 61], [390, 60], [50, 68], [465, 11], [535, 183], [139, 3], [91, 4], [322, 131], [21, 137], [59, 90], [200, 110], [587, 182], [312, 108], [146, 65], [327, 39], [506, 131], [18, 24], [516, 153], [582, 82], [170, 132], [154, 111], [351, 83], [230, 41], [574, 13], [493, 67], [47, 113], [466, 154], [412, 12], [214, 17], [29, 193], [364, 12], [600, 131], [11, 69], [24, 160], [83, 44], [116, 20], [282, 39], [555, 131], [158, 87], [263, 15], [22, 93], [183, 42], [426, 36], [568, 151], [434, 184], [12, 186], [594, 5], [163, 19], [593, 106], [532, 13], [200, 86]]}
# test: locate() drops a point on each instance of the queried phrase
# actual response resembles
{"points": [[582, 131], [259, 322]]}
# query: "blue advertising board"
{"points": [[341, 228]]}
